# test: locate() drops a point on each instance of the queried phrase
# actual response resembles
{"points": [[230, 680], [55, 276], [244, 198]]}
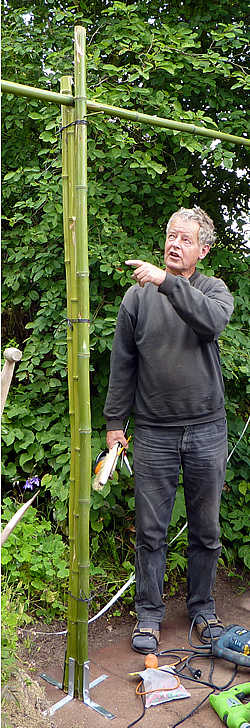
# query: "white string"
{"points": [[34, 633], [114, 598], [178, 534], [243, 433], [99, 614]]}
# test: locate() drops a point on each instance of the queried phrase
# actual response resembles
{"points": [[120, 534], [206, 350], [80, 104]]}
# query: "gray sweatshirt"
{"points": [[165, 364]]}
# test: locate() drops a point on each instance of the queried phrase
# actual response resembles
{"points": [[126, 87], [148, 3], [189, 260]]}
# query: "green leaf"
{"points": [[179, 509], [244, 553]]}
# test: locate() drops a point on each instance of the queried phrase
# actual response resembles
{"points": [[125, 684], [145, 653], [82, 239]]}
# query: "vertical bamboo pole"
{"points": [[68, 116], [82, 274], [73, 506]]}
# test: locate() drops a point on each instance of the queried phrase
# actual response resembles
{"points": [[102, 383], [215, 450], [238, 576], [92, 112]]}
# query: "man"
{"points": [[165, 367]]}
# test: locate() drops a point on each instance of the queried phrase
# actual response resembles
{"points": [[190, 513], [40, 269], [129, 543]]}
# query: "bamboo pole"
{"points": [[82, 274], [69, 248], [72, 648], [74, 484], [128, 114], [19, 89], [165, 123]]}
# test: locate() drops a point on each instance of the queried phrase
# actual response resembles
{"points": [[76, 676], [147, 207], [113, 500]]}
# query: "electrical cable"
{"points": [[200, 647], [211, 684], [204, 683], [184, 662], [142, 714], [207, 683], [189, 715]]}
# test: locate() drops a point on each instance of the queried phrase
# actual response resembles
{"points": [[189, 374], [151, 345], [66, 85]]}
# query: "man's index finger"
{"points": [[134, 263]]}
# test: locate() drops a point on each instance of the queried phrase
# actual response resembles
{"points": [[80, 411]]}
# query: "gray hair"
{"points": [[206, 234]]}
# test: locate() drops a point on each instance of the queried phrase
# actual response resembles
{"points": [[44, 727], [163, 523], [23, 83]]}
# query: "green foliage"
{"points": [[235, 513], [34, 561], [12, 613], [177, 61]]}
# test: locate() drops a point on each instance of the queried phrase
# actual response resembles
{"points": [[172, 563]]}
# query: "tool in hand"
{"points": [[106, 462], [104, 465], [124, 458], [228, 705], [123, 450]]}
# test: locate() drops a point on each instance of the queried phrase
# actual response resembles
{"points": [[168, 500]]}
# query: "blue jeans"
{"points": [[159, 452]]}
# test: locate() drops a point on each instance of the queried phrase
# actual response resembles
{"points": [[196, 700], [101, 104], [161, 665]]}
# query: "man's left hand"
{"points": [[146, 272]]}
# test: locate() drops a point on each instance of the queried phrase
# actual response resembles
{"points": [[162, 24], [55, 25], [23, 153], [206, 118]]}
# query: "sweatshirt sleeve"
{"points": [[123, 372], [208, 312]]}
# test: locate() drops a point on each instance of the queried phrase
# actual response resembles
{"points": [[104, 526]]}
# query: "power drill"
{"points": [[229, 707], [234, 645]]}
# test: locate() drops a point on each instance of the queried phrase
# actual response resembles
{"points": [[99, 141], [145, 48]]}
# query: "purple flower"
{"points": [[31, 483]]}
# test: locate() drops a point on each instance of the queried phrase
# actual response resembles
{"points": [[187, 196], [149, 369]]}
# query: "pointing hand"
{"points": [[146, 272]]}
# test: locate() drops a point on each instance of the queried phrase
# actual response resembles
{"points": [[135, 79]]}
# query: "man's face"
{"points": [[182, 247]]}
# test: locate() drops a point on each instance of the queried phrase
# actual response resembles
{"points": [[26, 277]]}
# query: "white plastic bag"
{"points": [[165, 685]]}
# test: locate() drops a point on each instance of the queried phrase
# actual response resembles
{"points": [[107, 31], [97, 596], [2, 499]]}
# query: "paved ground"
{"points": [[112, 655]]}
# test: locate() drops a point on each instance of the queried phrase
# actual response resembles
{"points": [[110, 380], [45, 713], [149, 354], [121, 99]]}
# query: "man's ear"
{"points": [[204, 251]]}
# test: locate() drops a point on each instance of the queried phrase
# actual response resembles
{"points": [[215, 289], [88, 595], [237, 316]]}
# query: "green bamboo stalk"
{"points": [[82, 273], [74, 512], [68, 209], [165, 123], [128, 114], [19, 89]]}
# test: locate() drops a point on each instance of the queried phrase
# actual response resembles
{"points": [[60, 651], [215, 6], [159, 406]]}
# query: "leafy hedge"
{"points": [[137, 177]]}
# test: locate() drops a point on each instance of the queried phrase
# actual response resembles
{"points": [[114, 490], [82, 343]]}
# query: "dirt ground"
{"points": [[28, 696]]}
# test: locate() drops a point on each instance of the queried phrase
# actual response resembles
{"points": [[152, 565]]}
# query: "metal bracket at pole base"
{"points": [[86, 696], [70, 695], [87, 700]]}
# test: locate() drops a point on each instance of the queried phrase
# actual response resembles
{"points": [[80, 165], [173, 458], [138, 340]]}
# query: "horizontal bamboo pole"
{"points": [[9, 87], [165, 123], [136, 116]]}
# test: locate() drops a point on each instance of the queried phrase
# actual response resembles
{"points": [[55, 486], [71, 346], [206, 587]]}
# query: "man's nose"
{"points": [[176, 243]]}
